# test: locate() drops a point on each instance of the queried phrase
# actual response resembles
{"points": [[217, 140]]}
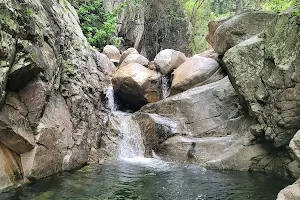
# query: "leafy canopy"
{"points": [[98, 24]]}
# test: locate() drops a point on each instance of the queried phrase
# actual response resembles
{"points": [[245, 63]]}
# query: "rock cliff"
{"points": [[52, 90]]}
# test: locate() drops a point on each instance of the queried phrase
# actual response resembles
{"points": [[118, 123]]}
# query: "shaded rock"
{"points": [[263, 70], [152, 65], [104, 63], [3, 81], [27, 64], [240, 28], [136, 85], [53, 141], [291, 192], [15, 132], [10, 167], [214, 55], [126, 53], [7, 51], [135, 58], [212, 27], [34, 96], [196, 71], [167, 60], [112, 52], [294, 169]]}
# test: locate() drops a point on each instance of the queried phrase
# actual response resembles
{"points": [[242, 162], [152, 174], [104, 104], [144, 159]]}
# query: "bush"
{"points": [[99, 25]]}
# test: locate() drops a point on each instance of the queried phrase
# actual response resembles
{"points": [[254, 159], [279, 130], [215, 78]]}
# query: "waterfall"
{"points": [[111, 99], [130, 138], [164, 87]]}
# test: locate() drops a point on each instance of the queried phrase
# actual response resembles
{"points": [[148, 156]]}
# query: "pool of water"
{"points": [[150, 179]]}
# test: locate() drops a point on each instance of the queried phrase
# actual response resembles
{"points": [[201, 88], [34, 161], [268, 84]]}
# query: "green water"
{"points": [[149, 179]]}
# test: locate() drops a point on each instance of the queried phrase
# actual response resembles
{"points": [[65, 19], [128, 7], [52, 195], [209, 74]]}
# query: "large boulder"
{"points": [[240, 28], [136, 85], [206, 110], [135, 58], [126, 53], [104, 63], [291, 192], [112, 53], [196, 71], [167, 60], [264, 72], [207, 125]]}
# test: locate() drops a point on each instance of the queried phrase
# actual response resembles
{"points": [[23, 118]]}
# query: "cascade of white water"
{"points": [[111, 99], [164, 87], [130, 139]]}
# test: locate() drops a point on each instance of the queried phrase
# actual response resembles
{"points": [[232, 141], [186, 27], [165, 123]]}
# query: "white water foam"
{"points": [[130, 139], [131, 146], [164, 87], [111, 99]]}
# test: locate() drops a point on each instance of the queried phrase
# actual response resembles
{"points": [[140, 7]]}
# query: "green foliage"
{"points": [[201, 12], [278, 5], [97, 24]]}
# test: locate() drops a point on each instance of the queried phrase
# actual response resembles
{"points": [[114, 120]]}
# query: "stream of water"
{"points": [[133, 177]]}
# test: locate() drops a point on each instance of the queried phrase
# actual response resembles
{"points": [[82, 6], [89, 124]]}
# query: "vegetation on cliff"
{"points": [[201, 12]]}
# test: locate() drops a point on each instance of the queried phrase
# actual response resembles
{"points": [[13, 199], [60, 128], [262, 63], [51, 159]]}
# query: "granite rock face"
{"points": [[238, 28], [52, 86], [265, 72], [207, 125]]}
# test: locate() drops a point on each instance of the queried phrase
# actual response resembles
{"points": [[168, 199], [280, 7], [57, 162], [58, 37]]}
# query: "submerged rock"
{"points": [[239, 28], [136, 85], [167, 60], [196, 71], [264, 71]]}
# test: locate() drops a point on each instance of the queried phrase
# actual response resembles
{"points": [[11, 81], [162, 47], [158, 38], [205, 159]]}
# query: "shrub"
{"points": [[99, 25]]}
